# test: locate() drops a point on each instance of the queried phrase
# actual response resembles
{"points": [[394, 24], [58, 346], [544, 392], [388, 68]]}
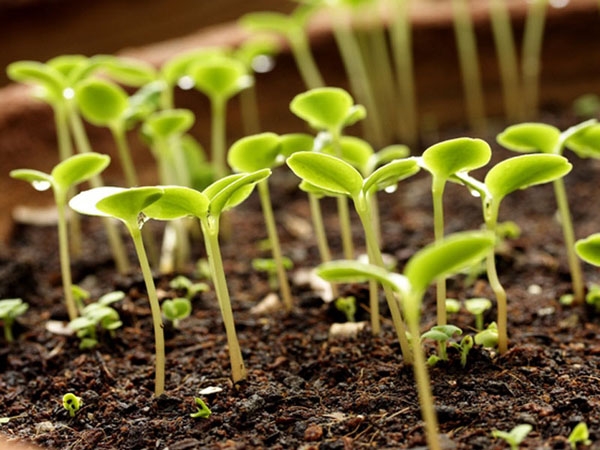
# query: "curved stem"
{"points": [[65, 263]]}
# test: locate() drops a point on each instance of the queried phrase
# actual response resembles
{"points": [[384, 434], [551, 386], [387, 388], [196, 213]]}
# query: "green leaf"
{"points": [[180, 65], [273, 22], [79, 168], [448, 256], [588, 249], [177, 308], [12, 307], [101, 102], [530, 137], [456, 155], [387, 154], [40, 74], [586, 143], [144, 102], [128, 71], [521, 172], [164, 124], [220, 77], [295, 142], [41, 181], [73, 68], [325, 108], [326, 172], [231, 190], [177, 202], [255, 47], [391, 174], [354, 151], [253, 153], [351, 271]]}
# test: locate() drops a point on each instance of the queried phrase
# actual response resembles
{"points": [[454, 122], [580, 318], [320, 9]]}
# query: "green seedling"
{"points": [[464, 347], [579, 435], [220, 78], [330, 175], [442, 334], [63, 177], [478, 306], [207, 206], [128, 71], [189, 289], [80, 296], [176, 310], [488, 338], [592, 297], [588, 249], [127, 205], [331, 110], [519, 172], [347, 306], [97, 314], [252, 153], [71, 403], [10, 309], [587, 106], [443, 161], [538, 137], [452, 306], [269, 266], [203, 412], [439, 259], [292, 28], [515, 436]]}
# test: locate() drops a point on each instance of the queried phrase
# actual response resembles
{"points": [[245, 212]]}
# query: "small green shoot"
{"points": [[71, 403], [10, 309], [176, 309], [269, 266], [452, 306], [188, 288], [579, 435], [592, 297], [588, 249], [96, 314], [347, 306], [488, 338], [515, 436], [203, 412], [464, 347], [478, 306], [442, 335]]}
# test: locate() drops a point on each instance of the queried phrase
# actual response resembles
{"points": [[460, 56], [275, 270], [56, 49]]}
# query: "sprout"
{"points": [[488, 338], [269, 266], [441, 334], [97, 314], [71, 403], [203, 412], [452, 306], [588, 249], [66, 174], [176, 309], [579, 435], [347, 305], [515, 436], [10, 309], [478, 306], [190, 289], [464, 347]]}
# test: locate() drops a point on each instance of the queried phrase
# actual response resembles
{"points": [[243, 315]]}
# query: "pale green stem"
{"points": [[304, 60], [65, 261], [210, 229], [267, 207], [469, 64], [114, 240], [374, 301], [507, 60], [421, 374], [120, 138], [342, 207], [319, 228], [250, 111], [166, 97], [531, 55], [569, 237], [218, 108], [375, 219], [8, 334], [437, 192], [159, 340], [401, 39]]}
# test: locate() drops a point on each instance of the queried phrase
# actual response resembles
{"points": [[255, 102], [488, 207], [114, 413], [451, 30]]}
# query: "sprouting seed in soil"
{"points": [[96, 314], [442, 335], [187, 287], [452, 306], [71, 403], [10, 309], [515, 436], [176, 309], [464, 347], [203, 412], [347, 306], [488, 338], [442, 258], [63, 177], [269, 266], [592, 297], [478, 306], [579, 435]]}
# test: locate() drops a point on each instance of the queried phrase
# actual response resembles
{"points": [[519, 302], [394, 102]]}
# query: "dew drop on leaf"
{"points": [[186, 83], [263, 64], [69, 93], [41, 185], [391, 189]]}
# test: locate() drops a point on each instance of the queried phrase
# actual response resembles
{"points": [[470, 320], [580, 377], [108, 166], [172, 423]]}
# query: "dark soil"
{"points": [[304, 390]]}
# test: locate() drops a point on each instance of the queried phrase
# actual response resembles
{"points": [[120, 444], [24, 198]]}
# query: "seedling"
{"points": [[443, 160], [512, 174], [464, 347], [588, 249], [203, 412], [66, 174], [515, 436], [207, 206], [488, 338], [269, 266], [579, 435], [10, 309], [593, 296], [71, 403], [442, 335], [538, 137], [190, 289], [478, 306], [347, 305], [176, 309], [127, 205], [439, 259], [96, 314]]}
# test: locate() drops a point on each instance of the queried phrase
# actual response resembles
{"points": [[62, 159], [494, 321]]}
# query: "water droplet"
{"points": [[41, 185], [186, 83], [391, 189], [245, 82], [263, 63], [69, 93], [475, 193], [559, 3]]}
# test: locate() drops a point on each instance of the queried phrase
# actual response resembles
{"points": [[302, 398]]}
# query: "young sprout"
{"points": [[127, 205], [331, 110], [71, 403], [452, 306], [347, 305], [10, 309], [330, 175], [538, 137], [464, 347], [442, 335], [443, 160], [207, 206], [488, 338], [66, 174], [519, 172], [269, 266], [478, 306], [176, 309], [439, 259], [579, 435], [203, 412], [97, 314], [515, 436], [190, 289]]}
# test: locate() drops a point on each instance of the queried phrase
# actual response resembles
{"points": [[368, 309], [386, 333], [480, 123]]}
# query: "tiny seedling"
{"points": [[269, 266], [464, 347], [96, 314], [515, 436], [588, 249], [592, 297], [203, 412], [66, 174], [452, 306], [478, 306], [347, 306], [488, 338], [10, 309], [187, 287], [71, 403], [579, 435], [176, 309], [442, 334]]}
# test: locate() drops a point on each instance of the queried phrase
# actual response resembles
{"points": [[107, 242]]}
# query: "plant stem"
{"points": [[304, 59], [437, 191], [342, 207], [267, 207], [218, 107], [249, 110], [569, 237], [531, 55], [65, 263], [8, 334], [210, 229], [159, 340], [120, 138], [317, 220]]}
